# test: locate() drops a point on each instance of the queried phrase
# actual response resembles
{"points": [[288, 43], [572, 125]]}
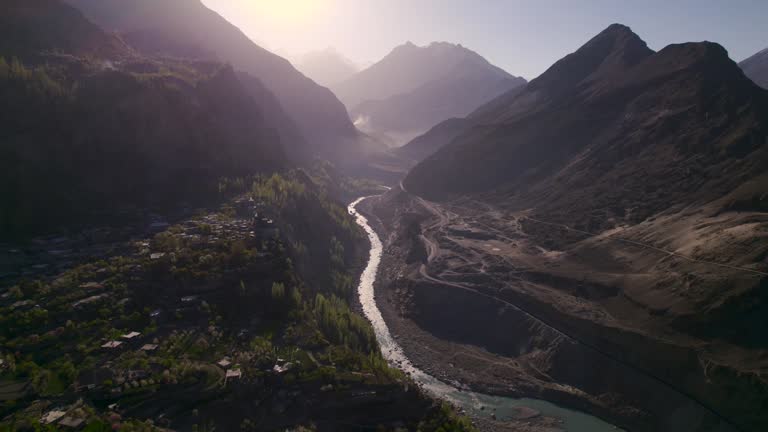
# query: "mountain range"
{"points": [[626, 191], [326, 67], [612, 106], [91, 126], [413, 88], [187, 29], [609, 216]]}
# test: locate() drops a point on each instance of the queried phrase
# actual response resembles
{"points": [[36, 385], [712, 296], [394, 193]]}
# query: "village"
{"points": [[210, 308], [126, 361]]}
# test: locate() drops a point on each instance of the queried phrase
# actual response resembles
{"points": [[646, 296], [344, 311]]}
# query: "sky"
{"points": [[524, 37]]}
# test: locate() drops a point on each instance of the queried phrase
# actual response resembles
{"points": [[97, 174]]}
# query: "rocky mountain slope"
{"points": [[756, 68], [413, 88], [427, 144], [612, 106], [616, 209], [61, 28], [443, 133], [94, 130], [326, 67], [188, 28]]}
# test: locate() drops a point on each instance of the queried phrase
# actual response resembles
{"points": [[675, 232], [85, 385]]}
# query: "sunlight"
{"points": [[286, 11]]}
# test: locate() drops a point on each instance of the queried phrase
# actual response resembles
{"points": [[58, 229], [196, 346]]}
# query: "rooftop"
{"points": [[52, 416], [71, 422], [112, 344], [234, 373]]}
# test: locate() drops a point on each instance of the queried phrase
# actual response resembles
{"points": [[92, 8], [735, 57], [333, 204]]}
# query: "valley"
{"points": [[540, 322], [197, 234], [597, 237], [235, 318], [492, 412]]}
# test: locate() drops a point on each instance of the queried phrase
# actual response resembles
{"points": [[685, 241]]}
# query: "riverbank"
{"points": [[433, 362]]}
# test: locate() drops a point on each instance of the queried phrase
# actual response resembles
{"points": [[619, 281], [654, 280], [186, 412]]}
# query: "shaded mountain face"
{"points": [[59, 28], [756, 68], [327, 67], [414, 88], [445, 132], [427, 144], [622, 196], [181, 27], [87, 135], [291, 138], [612, 121]]}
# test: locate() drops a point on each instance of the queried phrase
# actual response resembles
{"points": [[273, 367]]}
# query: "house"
{"points": [[92, 286], [87, 300], [233, 374], [72, 422], [188, 299], [224, 363], [157, 255], [131, 335], [52, 416], [280, 369], [149, 347], [112, 344]]}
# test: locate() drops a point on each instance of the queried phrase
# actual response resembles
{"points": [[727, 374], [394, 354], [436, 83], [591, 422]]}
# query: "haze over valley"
{"points": [[427, 227]]}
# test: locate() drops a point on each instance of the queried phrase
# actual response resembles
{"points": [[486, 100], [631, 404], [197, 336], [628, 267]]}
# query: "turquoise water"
{"points": [[572, 421]]}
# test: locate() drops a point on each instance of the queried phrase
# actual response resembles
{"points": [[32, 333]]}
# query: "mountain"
{"points": [[443, 133], [188, 28], [620, 201], [427, 144], [90, 131], [326, 67], [612, 105], [756, 68], [414, 88], [61, 28]]}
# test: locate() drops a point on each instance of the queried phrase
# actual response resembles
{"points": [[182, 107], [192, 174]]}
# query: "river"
{"points": [[502, 407]]}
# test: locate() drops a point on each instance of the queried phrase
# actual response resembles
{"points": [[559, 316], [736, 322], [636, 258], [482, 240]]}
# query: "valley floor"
{"points": [[509, 304], [216, 322]]}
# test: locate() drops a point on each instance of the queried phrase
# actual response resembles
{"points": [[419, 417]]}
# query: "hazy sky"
{"points": [[523, 37]]}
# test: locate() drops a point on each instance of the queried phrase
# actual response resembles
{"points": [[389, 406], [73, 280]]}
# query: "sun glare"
{"points": [[287, 11]]}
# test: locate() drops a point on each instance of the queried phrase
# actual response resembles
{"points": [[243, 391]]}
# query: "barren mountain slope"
{"points": [[620, 204], [756, 68], [186, 28]]}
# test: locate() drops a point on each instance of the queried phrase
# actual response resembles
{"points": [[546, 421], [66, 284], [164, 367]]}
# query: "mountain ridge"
{"points": [[107, 116], [423, 64], [707, 61], [326, 67], [756, 68], [621, 196], [413, 88], [320, 116]]}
